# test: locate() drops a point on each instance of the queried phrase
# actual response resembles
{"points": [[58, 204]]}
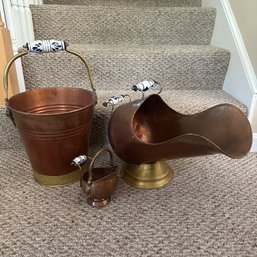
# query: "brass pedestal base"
{"points": [[147, 175]]}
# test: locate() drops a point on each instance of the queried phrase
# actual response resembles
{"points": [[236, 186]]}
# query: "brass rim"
{"points": [[147, 179], [57, 180]]}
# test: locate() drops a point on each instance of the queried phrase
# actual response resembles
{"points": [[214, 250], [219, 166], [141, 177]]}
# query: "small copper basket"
{"points": [[99, 183]]}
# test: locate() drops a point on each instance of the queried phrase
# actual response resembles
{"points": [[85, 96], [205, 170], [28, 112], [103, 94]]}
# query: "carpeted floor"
{"points": [[209, 209]]}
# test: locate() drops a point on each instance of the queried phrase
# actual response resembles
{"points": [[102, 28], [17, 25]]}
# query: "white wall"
{"points": [[245, 13], [18, 19], [241, 80], [225, 35]]}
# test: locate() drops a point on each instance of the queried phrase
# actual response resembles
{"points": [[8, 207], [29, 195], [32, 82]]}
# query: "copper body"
{"points": [[55, 126], [147, 131], [99, 183]]}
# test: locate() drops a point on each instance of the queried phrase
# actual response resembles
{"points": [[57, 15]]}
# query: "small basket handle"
{"points": [[45, 46], [90, 175]]}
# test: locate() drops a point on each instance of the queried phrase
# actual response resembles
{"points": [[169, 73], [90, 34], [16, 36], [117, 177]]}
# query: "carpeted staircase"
{"points": [[205, 211], [130, 41]]}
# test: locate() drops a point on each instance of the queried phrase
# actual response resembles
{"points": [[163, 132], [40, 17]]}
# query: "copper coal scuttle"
{"points": [[146, 132], [98, 183]]}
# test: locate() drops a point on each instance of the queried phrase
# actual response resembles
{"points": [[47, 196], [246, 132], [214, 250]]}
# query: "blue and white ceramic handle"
{"points": [[145, 86], [79, 161], [115, 100], [45, 46]]}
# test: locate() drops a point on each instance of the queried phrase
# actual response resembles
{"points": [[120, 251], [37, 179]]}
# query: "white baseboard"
{"points": [[254, 144]]}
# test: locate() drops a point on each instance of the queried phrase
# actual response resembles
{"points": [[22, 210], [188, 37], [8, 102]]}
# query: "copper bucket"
{"points": [[99, 183], [146, 132], [54, 124]]}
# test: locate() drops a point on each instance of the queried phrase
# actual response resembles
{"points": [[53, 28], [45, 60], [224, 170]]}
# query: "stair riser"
{"points": [[127, 2], [174, 70], [116, 25]]}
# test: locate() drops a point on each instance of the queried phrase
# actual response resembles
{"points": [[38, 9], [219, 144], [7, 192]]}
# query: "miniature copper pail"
{"points": [[148, 131], [54, 124], [99, 183]]}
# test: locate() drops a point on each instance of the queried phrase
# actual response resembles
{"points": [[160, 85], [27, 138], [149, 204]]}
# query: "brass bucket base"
{"points": [[99, 203], [147, 175], [57, 180]]}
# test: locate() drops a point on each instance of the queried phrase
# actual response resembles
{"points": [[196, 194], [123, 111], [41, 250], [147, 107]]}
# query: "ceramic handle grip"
{"points": [[114, 100], [145, 86], [80, 160], [45, 46]]}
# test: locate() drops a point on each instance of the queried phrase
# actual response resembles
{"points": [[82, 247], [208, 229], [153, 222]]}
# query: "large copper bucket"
{"points": [[54, 124], [145, 132]]}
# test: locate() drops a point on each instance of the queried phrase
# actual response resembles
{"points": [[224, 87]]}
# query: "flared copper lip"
{"points": [[193, 134], [61, 90], [189, 139]]}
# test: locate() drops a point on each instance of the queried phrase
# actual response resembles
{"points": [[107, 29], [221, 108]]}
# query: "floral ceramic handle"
{"points": [[115, 100], [45, 46], [145, 86]]}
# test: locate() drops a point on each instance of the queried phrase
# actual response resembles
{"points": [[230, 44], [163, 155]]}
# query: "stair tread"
{"points": [[126, 2], [154, 9], [150, 48], [147, 25], [184, 101], [179, 67]]}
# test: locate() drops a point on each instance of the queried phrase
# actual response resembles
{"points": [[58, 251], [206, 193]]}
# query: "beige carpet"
{"points": [[124, 25], [127, 2], [208, 210], [210, 207]]}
